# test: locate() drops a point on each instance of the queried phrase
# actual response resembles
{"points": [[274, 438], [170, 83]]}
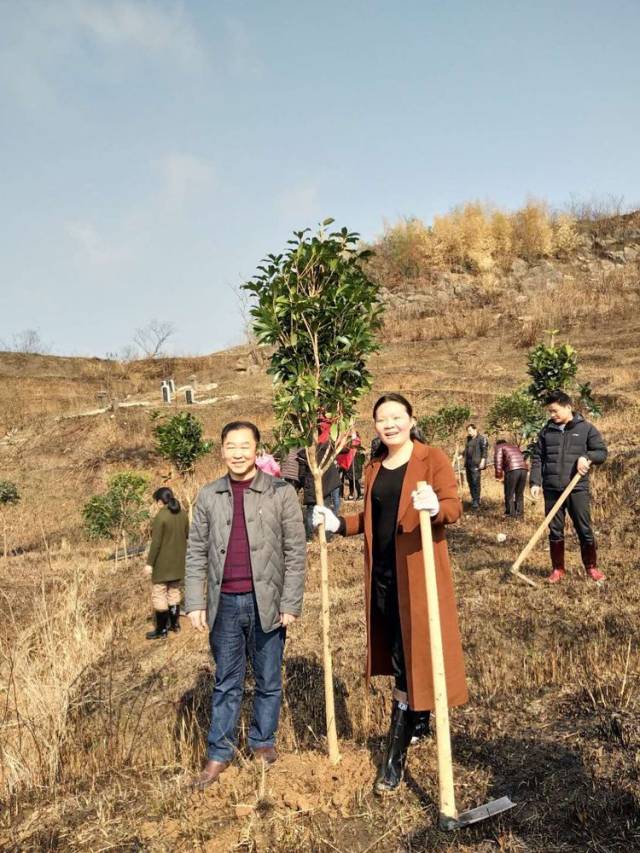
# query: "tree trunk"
{"points": [[4, 535], [330, 707], [457, 466]]}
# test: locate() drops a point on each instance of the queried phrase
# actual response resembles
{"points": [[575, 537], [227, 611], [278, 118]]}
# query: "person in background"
{"points": [[475, 461], [566, 446], [330, 485], [244, 586], [166, 561], [354, 474], [290, 468], [395, 591], [511, 466], [268, 463], [344, 460]]}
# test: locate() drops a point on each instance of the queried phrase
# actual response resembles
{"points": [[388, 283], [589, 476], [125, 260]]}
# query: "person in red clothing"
{"points": [[344, 461], [511, 466]]}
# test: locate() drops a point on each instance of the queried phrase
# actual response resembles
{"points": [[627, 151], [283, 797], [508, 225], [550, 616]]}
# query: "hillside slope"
{"points": [[99, 728]]}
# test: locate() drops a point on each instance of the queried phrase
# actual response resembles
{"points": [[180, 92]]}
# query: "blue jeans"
{"points": [[236, 635]]}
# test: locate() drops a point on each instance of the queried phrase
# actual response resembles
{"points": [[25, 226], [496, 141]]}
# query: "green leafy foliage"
{"points": [[554, 367], [179, 439], [586, 400], [518, 414], [444, 423], [8, 493], [320, 312], [119, 510], [551, 367]]}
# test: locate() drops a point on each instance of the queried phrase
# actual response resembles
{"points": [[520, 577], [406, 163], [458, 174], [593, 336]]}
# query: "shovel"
{"points": [[449, 817], [515, 568]]}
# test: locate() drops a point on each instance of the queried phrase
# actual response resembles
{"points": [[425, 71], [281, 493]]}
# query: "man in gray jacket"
{"points": [[244, 584]]}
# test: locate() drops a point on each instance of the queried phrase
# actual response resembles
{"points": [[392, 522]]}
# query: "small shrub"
{"points": [[9, 496], [118, 514], [551, 367], [179, 439], [516, 414], [8, 493], [565, 237], [444, 423], [533, 233]]}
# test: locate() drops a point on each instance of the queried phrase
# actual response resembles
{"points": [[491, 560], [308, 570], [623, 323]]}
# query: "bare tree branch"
{"points": [[152, 337]]}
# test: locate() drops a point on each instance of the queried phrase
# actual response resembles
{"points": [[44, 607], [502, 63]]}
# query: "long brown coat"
{"points": [[432, 465]]}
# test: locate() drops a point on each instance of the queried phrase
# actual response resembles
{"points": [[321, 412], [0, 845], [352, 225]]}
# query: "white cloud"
{"points": [[184, 176], [37, 39], [91, 246], [154, 26], [299, 203], [243, 57]]}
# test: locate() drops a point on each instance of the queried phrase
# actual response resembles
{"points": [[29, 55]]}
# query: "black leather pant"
{"points": [[384, 603]]}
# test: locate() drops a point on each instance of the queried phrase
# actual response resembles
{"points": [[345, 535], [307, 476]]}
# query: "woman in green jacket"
{"points": [[165, 562]]}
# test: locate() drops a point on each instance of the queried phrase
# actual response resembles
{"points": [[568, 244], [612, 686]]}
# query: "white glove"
{"points": [[535, 492], [426, 499], [323, 513]]}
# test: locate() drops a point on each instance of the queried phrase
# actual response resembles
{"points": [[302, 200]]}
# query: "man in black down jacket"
{"points": [[567, 445], [475, 461]]}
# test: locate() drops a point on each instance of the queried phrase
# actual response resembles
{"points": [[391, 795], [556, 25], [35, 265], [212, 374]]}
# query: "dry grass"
{"points": [[585, 300], [44, 652], [99, 728], [475, 238]]}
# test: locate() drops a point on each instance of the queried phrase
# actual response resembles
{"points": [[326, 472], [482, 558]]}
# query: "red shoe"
{"points": [[555, 576], [595, 574]]}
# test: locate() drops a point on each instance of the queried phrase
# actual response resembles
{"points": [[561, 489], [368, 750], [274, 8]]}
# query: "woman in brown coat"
{"points": [[395, 592]]}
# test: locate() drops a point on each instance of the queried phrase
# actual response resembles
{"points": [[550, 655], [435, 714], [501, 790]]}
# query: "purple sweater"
{"points": [[237, 576]]}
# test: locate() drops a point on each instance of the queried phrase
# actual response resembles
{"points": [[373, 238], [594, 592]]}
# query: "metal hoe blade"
{"points": [[475, 815]]}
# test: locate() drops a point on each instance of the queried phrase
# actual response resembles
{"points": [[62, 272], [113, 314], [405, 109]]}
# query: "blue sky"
{"points": [[152, 151]]}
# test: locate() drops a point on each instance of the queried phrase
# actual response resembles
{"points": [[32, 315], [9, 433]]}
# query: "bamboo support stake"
{"points": [[330, 705]]}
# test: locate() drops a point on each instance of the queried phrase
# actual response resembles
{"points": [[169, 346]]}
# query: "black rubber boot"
{"points": [[162, 622], [421, 727], [174, 617], [391, 770]]}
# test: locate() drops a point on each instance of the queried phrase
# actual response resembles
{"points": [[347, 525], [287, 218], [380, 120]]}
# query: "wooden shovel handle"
{"points": [[448, 810], [541, 529]]}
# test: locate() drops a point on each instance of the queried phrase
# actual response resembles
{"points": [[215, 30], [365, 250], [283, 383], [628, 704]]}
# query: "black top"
{"points": [[330, 478], [556, 453], [385, 500]]}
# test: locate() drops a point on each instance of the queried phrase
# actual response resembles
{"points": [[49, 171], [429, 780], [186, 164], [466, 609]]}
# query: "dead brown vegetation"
{"points": [[99, 729]]}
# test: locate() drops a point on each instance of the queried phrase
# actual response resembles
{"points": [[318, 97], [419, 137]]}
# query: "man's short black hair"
{"points": [[559, 397], [471, 426], [234, 425], [501, 441]]}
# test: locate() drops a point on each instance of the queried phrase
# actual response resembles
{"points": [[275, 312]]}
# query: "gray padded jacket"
{"points": [[276, 541]]}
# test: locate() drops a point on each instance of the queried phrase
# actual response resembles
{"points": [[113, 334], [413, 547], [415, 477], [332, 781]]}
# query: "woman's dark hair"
{"points": [[167, 497], [501, 441], [416, 432], [227, 428]]}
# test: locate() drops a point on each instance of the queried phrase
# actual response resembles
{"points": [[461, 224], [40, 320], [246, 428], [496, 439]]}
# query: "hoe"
{"points": [[449, 817]]}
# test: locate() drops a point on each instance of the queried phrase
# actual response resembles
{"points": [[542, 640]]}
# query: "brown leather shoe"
{"points": [[267, 754], [210, 774]]}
